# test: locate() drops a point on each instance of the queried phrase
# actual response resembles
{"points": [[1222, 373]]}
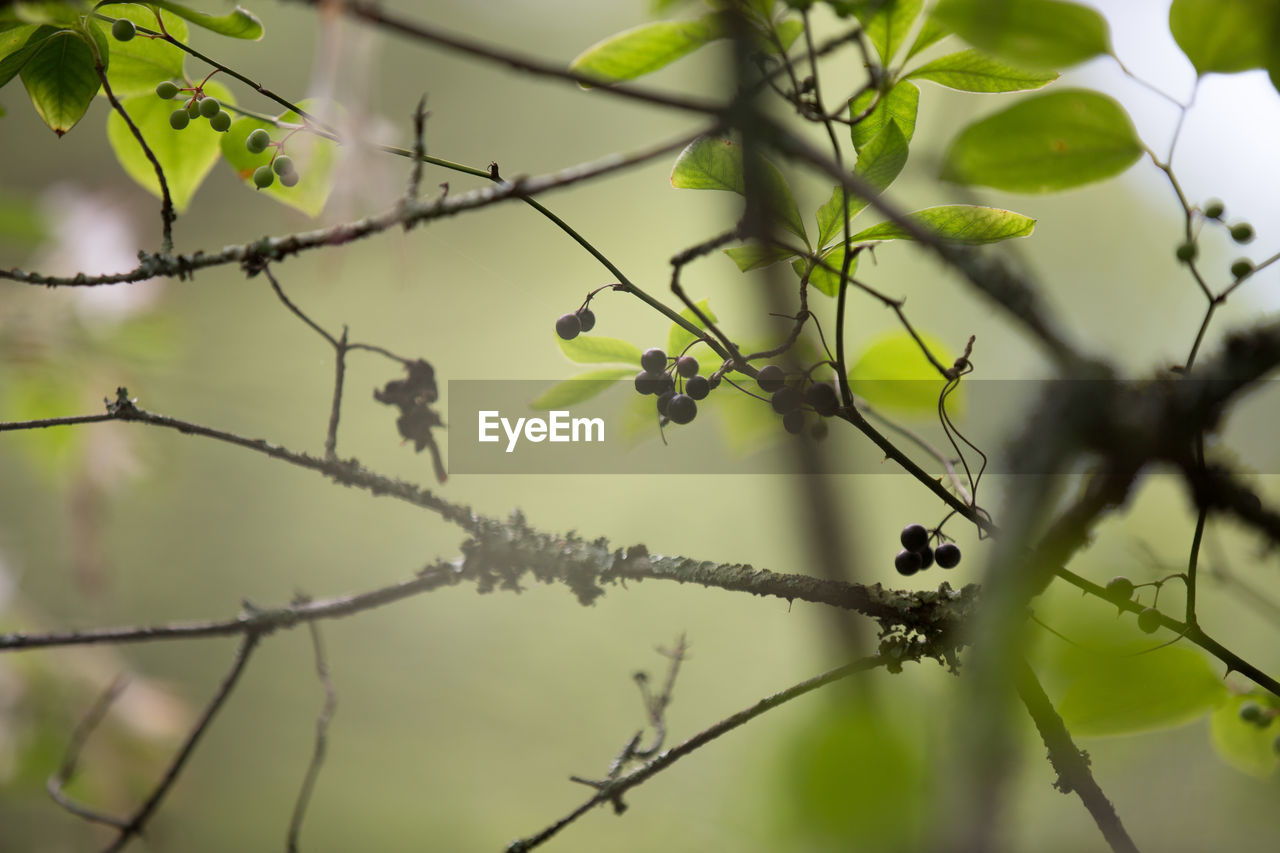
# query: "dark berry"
{"points": [[686, 366], [587, 319], [167, 90], [1241, 268], [793, 422], [682, 409], [209, 107], [664, 400], [283, 165], [665, 383], [926, 557], [648, 383], [1186, 252], [1119, 589], [914, 537], [1213, 209], [1242, 232], [262, 177], [786, 399], [697, 387], [907, 562], [822, 397], [1149, 620], [654, 360], [221, 123], [771, 378], [1251, 712], [124, 29], [257, 141], [947, 555], [567, 326], [178, 119]]}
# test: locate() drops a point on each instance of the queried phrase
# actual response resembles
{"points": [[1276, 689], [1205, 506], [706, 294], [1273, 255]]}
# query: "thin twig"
{"points": [[71, 759], [167, 214], [322, 732]]}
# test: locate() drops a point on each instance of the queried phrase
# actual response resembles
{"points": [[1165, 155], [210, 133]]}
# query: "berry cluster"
{"points": [[917, 555], [200, 106], [281, 164], [660, 376], [789, 401], [569, 326], [1241, 232], [1119, 590]]}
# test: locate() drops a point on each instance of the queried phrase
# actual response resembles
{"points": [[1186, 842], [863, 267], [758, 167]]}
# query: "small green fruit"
{"points": [[209, 107], [262, 177], [283, 165], [193, 109], [1251, 712], [178, 119], [1119, 589], [1241, 268], [1149, 620], [1187, 252], [124, 29], [257, 141], [289, 179], [221, 122], [1242, 232], [167, 90], [1213, 209]]}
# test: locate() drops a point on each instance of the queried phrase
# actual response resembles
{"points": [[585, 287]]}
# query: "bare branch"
{"points": [[322, 732]]}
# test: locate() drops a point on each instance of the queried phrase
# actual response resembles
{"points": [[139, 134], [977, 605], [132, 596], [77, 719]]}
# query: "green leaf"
{"points": [[1245, 746], [61, 80], [139, 64], [239, 23], [186, 156], [644, 49], [715, 163], [959, 223], [787, 32], [582, 387], [678, 339], [886, 23], [1045, 143], [314, 157], [593, 349], [893, 374], [18, 45], [1226, 37], [1030, 33], [932, 32], [1162, 688], [826, 275], [974, 71], [880, 161], [57, 13], [754, 256], [900, 105]]}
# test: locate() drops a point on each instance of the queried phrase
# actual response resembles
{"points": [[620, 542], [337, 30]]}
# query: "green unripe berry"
{"points": [[263, 178], [178, 119], [124, 29], [289, 179], [1241, 268], [221, 122], [1242, 232], [1187, 252], [1251, 712], [167, 90], [1149, 620], [209, 107], [283, 165], [1119, 589], [1213, 209], [193, 109], [257, 141]]}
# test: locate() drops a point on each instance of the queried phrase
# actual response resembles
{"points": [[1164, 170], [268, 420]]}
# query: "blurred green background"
{"points": [[461, 716]]}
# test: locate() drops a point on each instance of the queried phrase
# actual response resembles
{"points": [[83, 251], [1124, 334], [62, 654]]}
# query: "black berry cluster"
{"points": [[788, 400], [569, 326], [675, 382], [917, 555]]}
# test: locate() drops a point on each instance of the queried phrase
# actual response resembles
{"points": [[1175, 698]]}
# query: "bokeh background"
{"points": [[461, 716]]}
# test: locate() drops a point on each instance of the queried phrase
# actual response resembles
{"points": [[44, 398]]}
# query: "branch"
{"points": [[167, 215], [318, 752], [1071, 764], [613, 790]]}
